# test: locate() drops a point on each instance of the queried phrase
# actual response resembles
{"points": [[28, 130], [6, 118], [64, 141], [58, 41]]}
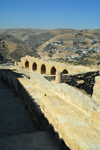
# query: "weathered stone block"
{"points": [[66, 136], [95, 120]]}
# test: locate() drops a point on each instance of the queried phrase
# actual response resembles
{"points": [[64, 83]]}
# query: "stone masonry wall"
{"points": [[82, 80], [74, 116], [50, 67]]}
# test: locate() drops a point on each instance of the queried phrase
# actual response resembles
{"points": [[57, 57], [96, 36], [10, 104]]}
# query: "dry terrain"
{"points": [[64, 45]]}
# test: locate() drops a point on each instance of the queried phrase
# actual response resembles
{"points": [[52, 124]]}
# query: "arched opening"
{"points": [[26, 64], [53, 71], [64, 71], [34, 67], [43, 69]]}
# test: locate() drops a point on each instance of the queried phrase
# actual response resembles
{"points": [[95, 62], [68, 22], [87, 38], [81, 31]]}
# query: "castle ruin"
{"points": [[54, 103]]}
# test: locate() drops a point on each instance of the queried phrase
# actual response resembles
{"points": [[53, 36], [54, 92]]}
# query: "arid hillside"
{"points": [[14, 48], [65, 45]]}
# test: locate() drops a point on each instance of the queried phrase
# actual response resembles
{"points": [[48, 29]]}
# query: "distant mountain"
{"points": [[35, 37], [20, 33], [66, 45]]}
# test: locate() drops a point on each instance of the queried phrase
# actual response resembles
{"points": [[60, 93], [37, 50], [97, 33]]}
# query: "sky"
{"points": [[50, 14]]}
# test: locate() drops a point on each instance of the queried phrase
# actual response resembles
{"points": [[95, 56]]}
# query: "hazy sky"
{"points": [[50, 14]]}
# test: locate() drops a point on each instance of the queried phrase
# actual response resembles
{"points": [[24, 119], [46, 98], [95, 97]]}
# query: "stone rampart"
{"points": [[49, 67], [68, 113]]}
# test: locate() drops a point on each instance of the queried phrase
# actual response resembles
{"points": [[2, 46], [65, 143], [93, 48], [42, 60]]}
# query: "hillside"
{"points": [[65, 45], [35, 37], [77, 47], [14, 48]]}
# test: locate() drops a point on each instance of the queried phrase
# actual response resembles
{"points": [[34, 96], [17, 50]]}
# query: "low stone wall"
{"points": [[50, 77], [88, 80], [82, 80]]}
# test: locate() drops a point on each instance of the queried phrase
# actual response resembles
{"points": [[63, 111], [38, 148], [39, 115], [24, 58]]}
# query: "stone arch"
{"points": [[27, 64], [64, 71], [53, 70], [43, 69], [34, 66]]}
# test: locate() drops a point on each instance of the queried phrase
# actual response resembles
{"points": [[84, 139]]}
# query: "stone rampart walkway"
{"points": [[16, 130]]}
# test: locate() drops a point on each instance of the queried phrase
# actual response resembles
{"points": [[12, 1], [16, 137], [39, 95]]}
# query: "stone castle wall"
{"points": [[49, 67], [66, 112], [70, 115]]}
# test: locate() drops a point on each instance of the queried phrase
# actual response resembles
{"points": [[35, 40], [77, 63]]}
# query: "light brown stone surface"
{"points": [[49, 65], [69, 111], [96, 91], [95, 116]]}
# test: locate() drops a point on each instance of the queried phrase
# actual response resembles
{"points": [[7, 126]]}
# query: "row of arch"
{"points": [[43, 68]]}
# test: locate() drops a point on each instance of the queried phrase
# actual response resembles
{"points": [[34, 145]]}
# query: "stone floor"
{"points": [[14, 119], [32, 141], [16, 130]]}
